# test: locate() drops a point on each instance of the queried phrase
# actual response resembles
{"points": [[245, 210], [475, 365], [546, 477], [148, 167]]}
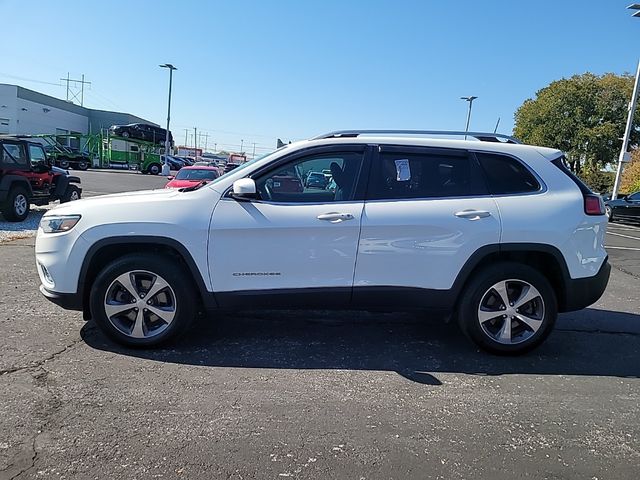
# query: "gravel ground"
{"points": [[25, 229]]}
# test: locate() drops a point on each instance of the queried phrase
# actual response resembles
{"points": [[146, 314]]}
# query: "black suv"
{"points": [[27, 176], [141, 131]]}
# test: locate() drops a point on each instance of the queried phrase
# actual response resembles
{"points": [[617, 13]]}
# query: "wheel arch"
{"points": [[11, 180], [107, 250], [547, 259]]}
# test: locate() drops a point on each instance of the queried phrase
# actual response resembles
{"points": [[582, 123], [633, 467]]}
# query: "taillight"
{"points": [[593, 205]]}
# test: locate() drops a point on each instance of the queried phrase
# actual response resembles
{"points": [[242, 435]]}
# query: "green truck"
{"points": [[102, 150]]}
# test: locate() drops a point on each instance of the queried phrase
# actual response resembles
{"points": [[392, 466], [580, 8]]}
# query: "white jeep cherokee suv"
{"points": [[499, 235]]}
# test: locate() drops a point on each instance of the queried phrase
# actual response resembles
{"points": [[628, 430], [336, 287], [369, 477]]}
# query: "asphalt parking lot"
{"points": [[316, 394]]}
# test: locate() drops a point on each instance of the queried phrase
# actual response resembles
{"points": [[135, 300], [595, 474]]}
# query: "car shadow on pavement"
{"points": [[409, 344]]}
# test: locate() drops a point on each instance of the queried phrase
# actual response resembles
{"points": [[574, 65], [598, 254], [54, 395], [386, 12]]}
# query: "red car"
{"points": [[189, 176]]}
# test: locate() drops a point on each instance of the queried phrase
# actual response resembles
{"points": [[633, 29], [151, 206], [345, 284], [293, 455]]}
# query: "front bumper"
{"points": [[582, 292], [68, 301]]}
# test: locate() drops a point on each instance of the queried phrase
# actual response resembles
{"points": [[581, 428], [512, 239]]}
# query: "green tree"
{"points": [[584, 116]]}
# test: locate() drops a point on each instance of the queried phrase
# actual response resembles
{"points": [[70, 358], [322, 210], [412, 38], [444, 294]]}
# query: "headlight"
{"points": [[59, 223]]}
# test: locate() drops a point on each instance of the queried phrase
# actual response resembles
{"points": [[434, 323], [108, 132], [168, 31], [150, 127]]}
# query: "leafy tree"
{"points": [[630, 181], [585, 116]]}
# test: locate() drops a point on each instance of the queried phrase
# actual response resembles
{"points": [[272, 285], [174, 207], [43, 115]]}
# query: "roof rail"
{"points": [[482, 136]]}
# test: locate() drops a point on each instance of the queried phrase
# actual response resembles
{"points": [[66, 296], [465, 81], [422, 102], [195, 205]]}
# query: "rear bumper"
{"points": [[582, 292], [68, 301]]}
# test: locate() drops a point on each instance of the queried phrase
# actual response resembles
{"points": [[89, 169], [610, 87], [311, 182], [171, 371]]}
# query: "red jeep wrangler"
{"points": [[27, 176]]}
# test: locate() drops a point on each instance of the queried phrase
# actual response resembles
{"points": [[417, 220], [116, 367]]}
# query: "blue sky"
{"points": [[257, 70]]}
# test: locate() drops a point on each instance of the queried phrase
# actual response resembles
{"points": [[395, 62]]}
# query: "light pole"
{"points": [[241, 144], [624, 155], [470, 100], [165, 167]]}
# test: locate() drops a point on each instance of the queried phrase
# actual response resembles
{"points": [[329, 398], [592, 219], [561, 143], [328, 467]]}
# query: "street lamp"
{"points": [[624, 155], [167, 143], [470, 100]]}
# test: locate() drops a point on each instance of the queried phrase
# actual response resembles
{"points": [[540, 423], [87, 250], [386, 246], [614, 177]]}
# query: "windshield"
{"points": [[197, 174], [246, 165]]}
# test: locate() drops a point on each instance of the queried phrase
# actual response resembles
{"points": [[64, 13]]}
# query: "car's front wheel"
{"points": [[142, 300], [508, 308], [609, 212], [72, 193], [154, 169]]}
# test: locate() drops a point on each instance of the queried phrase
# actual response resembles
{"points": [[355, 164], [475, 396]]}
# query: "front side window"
{"points": [[423, 175], [37, 155], [303, 180], [505, 175], [14, 155]]}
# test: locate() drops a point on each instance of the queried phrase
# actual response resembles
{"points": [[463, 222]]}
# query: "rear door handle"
{"points": [[472, 214], [335, 217]]}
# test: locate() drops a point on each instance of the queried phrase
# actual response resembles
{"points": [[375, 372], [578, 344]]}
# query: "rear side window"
{"points": [[506, 175], [13, 155], [424, 175], [561, 164]]}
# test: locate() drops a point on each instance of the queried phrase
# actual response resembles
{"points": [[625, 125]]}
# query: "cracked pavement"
{"points": [[314, 395]]}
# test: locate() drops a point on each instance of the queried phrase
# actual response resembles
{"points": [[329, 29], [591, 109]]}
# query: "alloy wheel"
{"points": [[511, 312], [140, 304], [20, 205]]}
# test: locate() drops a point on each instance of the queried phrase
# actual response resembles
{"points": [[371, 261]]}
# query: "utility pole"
{"points": [[241, 143], [186, 136], [624, 154], [254, 150], [167, 143], [71, 96], [195, 142], [215, 147], [206, 138]]}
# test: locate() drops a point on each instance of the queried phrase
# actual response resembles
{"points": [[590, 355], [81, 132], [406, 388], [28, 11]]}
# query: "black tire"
{"points": [[71, 193], [154, 169], [82, 164], [180, 287], [124, 134], [609, 211], [479, 289], [17, 205], [63, 162]]}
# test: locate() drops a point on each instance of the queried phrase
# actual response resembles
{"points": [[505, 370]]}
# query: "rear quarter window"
{"points": [[505, 175]]}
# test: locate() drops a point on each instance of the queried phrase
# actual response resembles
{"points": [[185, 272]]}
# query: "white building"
{"points": [[26, 112]]}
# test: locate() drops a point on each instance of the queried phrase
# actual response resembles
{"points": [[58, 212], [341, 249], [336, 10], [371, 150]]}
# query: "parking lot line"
{"points": [[624, 236], [624, 227], [623, 248]]}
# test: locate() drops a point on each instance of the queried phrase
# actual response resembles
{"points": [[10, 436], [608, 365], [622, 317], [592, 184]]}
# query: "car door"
{"points": [[426, 212], [632, 210], [291, 244]]}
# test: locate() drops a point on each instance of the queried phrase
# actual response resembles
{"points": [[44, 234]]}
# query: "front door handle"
{"points": [[335, 217], [472, 214]]}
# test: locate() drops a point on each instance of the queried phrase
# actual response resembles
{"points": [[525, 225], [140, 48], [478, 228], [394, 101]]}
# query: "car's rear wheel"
{"points": [[82, 164], [508, 308], [17, 205], [63, 162], [142, 300], [125, 134]]}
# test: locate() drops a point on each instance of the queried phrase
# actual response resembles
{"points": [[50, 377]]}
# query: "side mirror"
{"points": [[244, 188], [170, 177]]}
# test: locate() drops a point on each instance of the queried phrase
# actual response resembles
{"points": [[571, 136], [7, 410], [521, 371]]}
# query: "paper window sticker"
{"points": [[403, 171]]}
